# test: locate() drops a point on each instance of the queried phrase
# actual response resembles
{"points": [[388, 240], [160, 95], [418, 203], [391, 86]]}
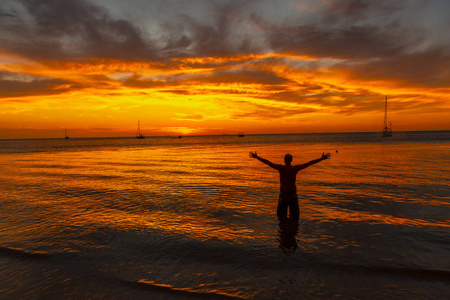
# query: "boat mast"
{"points": [[387, 131], [138, 131]]}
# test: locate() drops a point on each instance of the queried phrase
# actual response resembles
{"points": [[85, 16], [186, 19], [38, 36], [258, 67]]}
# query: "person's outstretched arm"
{"points": [[313, 162], [263, 160]]}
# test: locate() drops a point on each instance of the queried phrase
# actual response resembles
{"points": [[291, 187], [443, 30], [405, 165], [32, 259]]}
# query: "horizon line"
{"points": [[200, 135]]}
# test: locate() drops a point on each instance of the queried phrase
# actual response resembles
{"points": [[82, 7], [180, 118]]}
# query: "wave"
{"points": [[423, 274], [21, 253], [150, 285]]}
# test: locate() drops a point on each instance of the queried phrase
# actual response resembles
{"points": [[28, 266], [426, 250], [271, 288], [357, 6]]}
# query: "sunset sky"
{"points": [[96, 67]]}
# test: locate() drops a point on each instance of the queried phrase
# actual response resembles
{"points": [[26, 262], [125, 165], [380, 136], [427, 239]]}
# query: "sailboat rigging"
{"points": [[138, 132], [65, 134], [387, 131]]}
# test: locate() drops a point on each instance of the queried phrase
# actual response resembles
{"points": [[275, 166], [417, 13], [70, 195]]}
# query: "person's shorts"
{"points": [[288, 200]]}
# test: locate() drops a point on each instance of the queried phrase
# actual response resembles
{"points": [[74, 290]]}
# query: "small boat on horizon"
{"points": [[241, 134], [387, 131], [138, 132], [65, 134]]}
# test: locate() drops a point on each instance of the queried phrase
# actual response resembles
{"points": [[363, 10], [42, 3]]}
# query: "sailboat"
{"points": [[387, 131], [138, 132], [65, 134]]}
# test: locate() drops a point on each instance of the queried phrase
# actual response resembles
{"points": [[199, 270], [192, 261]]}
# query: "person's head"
{"points": [[287, 159]]}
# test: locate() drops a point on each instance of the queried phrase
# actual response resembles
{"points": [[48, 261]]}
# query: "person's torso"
{"points": [[288, 176]]}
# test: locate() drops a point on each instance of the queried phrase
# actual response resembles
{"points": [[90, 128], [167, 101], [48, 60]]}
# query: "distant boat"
{"points": [[240, 134], [387, 131], [138, 132], [65, 134]]}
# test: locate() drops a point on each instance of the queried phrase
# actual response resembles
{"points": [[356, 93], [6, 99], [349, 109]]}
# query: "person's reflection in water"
{"points": [[288, 232]]}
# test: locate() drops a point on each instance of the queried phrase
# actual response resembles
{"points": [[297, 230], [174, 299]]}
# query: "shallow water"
{"points": [[195, 217]]}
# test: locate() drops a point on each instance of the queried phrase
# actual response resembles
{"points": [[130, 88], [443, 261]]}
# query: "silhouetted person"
{"points": [[288, 190]]}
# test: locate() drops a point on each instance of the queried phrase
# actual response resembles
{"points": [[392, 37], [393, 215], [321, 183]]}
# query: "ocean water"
{"points": [[194, 218]]}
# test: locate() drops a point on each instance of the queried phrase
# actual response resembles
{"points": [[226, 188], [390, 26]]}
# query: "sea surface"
{"points": [[195, 218]]}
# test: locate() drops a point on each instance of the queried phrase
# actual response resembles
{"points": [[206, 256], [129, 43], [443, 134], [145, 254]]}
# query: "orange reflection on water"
{"points": [[191, 292], [216, 192], [176, 191], [327, 213]]}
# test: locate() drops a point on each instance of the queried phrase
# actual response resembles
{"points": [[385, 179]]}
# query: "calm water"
{"points": [[167, 218]]}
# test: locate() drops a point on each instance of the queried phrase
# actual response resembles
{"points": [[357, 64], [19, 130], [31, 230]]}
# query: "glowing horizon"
{"points": [[221, 68]]}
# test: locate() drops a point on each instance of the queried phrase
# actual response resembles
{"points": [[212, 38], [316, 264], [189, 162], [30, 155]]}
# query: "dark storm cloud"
{"points": [[17, 88], [349, 11], [375, 38], [354, 42], [72, 29], [4, 14], [55, 29], [350, 8], [223, 35], [429, 68]]}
